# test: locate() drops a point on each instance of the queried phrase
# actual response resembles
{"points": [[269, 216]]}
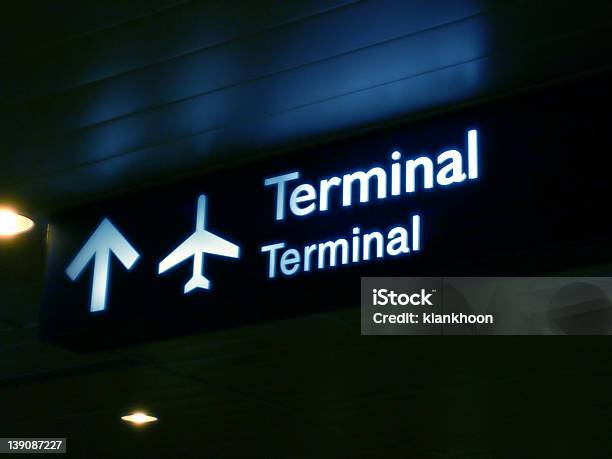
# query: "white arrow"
{"points": [[105, 239]]}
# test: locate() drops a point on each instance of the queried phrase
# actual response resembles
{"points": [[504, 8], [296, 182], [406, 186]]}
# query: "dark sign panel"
{"points": [[512, 188]]}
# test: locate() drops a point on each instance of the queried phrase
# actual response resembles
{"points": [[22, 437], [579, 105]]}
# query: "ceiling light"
{"points": [[139, 418], [11, 223]]}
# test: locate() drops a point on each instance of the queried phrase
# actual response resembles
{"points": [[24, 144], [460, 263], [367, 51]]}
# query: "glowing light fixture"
{"points": [[139, 418], [11, 223]]}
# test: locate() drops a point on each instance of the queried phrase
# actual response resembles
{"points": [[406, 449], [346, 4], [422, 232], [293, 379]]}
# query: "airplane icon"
{"points": [[199, 243]]}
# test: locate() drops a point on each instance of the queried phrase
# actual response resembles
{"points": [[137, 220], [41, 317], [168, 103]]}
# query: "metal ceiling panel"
{"points": [[280, 49], [153, 38], [217, 128]]}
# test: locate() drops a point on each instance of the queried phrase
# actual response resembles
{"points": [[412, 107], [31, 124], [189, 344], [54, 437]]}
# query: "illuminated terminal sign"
{"points": [[180, 253], [300, 200], [490, 190]]}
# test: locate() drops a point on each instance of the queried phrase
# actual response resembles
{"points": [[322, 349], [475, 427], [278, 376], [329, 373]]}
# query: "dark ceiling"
{"points": [[97, 97]]}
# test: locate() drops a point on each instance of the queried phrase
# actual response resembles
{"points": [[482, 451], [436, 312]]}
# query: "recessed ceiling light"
{"points": [[11, 223], [139, 418]]}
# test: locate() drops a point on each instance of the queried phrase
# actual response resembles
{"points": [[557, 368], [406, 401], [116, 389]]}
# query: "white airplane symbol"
{"points": [[196, 246]]}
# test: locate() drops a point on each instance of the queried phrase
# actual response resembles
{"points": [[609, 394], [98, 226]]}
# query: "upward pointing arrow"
{"points": [[105, 239]]}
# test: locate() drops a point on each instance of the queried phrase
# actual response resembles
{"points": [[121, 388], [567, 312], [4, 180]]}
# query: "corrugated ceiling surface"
{"points": [[138, 94]]}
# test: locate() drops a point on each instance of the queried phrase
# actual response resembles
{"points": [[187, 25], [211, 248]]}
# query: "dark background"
{"points": [[99, 98]]}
